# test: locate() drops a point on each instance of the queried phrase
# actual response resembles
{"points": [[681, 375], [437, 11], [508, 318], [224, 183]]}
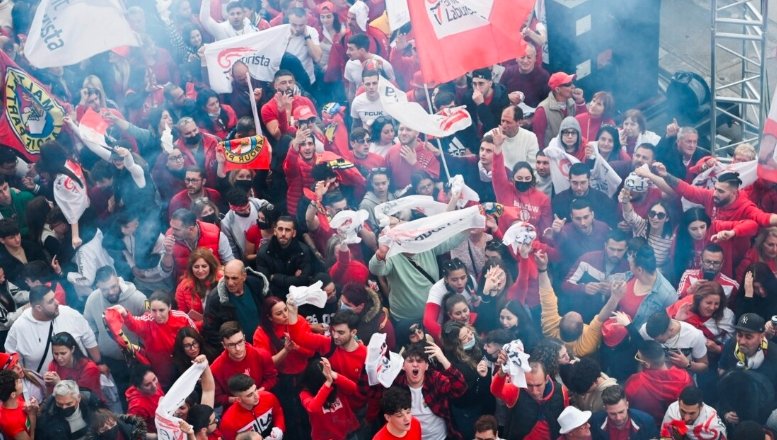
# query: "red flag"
{"points": [[31, 115], [456, 36], [252, 153], [767, 152]]}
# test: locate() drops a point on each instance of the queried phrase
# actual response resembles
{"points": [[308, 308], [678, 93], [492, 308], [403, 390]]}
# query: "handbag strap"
{"points": [[420, 269], [46, 350]]}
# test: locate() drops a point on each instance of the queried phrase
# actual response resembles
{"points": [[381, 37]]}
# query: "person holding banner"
{"points": [[237, 23]]}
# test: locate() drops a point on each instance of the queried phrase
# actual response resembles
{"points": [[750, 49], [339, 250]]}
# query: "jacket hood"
{"points": [[569, 123], [221, 288], [127, 289], [375, 305]]}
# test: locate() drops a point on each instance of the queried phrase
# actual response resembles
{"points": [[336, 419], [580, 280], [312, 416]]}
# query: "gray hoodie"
{"points": [[132, 300]]}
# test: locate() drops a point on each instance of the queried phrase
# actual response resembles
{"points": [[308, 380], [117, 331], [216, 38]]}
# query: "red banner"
{"points": [[252, 153], [31, 115], [456, 36]]}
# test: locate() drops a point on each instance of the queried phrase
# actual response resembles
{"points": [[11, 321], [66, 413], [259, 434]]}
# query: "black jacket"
{"points": [[279, 265], [605, 208], [488, 115], [53, 426], [131, 427], [219, 310], [642, 422], [666, 153]]}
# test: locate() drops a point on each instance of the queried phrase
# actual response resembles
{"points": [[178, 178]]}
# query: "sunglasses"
{"points": [[658, 215], [415, 328]]}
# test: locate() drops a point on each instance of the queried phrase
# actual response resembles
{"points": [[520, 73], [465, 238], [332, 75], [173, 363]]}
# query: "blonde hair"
{"points": [[745, 149], [93, 81]]}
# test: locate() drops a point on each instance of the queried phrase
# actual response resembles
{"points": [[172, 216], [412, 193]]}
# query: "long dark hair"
{"points": [[52, 161], [266, 321], [616, 141], [668, 229], [453, 348], [313, 379], [201, 116], [180, 358], [65, 339], [525, 330], [684, 248], [37, 211], [454, 264]]}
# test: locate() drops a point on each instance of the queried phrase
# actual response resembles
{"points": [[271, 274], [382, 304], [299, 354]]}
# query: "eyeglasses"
{"points": [[568, 133], [233, 345], [191, 180], [175, 158], [712, 263], [658, 215], [214, 422], [191, 346]]}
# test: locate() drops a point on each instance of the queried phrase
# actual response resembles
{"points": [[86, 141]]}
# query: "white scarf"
{"points": [[485, 175]]}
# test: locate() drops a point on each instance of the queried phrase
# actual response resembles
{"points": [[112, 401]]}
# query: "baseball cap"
{"points": [[484, 73], [303, 113], [560, 78], [326, 7], [8, 360], [750, 323]]}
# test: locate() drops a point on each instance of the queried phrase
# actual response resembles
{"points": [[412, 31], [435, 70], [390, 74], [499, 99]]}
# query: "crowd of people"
{"points": [[644, 312]]}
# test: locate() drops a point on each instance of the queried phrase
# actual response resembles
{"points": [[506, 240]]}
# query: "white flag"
{"points": [[425, 204], [603, 177], [68, 32], [260, 51], [308, 295], [348, 224], [382, 365], [398, 14], [412, 115], [560, 161], [427, 233], [467, 194], [166, 423], [748, 173]]}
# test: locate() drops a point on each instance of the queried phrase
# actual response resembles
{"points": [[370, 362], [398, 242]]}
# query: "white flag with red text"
{"points": [[560, 161], [66, 32], [166, 423], [412, 115], [456, 36], [429, 232], [748, 173], [260, 51]]}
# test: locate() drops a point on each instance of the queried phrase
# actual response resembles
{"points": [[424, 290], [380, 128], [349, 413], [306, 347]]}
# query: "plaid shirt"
{"points": [[438, 388]]}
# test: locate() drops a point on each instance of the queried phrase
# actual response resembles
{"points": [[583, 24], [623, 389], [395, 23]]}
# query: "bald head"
{"points": [[571, 327], [235, 277]]}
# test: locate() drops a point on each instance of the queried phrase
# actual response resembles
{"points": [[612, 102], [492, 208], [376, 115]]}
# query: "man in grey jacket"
{"points": [[243, 212], [110, 291]]}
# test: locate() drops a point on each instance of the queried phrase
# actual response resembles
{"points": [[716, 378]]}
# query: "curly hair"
{"points": [[546, 351], [580, 376]]}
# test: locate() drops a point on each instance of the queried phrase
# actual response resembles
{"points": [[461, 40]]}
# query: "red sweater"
{"points": [[534, 205], [85, 373], [335, 421], [298, 176], [159, 339], [653, 391], [261, 418], [413, 434], [401, 170], [257, 364], [143, 405], [297, 360], [346, 270]]}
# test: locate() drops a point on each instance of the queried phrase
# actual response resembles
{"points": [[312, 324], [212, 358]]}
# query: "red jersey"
{"points": [[14, 421], [85, 373], [297, 360], [159, 339], [182, 199], [270, 113], [298, 176], [262, 418], [368, 163], [401, 170], [534, 205], [413, 434], [143, 405], [332, 421], [257, 364], [631, 302]]}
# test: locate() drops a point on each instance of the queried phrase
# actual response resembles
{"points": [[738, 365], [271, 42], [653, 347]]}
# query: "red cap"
{"points": [[560, 78], [8, 360], [326, 7], [303, 113], [613, 333]]}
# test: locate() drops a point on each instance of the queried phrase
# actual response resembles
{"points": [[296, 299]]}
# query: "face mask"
{"points": [[245, 185], [344, 308], [262, 225], [194, 140], [214, 115], [490, 357], [468, 345], [110, 434], [65, 412], [210, 218], [522, 186]]}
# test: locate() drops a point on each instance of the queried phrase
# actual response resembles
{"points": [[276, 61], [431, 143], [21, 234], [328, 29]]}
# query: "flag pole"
{"points": [[253, 105], [439, 144]]}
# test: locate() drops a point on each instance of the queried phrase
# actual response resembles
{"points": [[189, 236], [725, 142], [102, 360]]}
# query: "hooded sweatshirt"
{"points": [[533, 205], [653, 391], [132, 300], [570, 123]]}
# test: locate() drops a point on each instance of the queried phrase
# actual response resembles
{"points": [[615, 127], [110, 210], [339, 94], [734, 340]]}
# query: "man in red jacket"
{"points": [[240, 357], [300, 160], [655, 387], [255, 410], [187, 233]]}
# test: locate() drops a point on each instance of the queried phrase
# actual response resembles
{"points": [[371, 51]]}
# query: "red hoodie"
{"points": [[653, 391], [143, 405], [534, 204], [257, 364]]}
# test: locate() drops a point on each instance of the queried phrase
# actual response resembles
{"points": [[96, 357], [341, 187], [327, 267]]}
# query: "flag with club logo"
{"points": [[31, 115], [560, 161], [767, 151], [260, 51], [412, 115], [427, 233], [252, 153], [66, 32], [456, 36], [603, 177]]}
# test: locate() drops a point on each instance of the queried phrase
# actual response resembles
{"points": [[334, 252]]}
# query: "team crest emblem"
{"points": [[33, 114]]}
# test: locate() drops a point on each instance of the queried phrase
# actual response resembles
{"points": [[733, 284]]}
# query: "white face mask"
{"points": [[469, 344]]}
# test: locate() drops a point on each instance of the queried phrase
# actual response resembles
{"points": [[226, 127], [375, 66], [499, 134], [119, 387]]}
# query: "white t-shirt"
{"points": [[382, 150], [353, 70], [299, 48], [689, 340], [432, 426], [366, 110]]}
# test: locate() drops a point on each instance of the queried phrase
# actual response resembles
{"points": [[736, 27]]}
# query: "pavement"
{"points": [[685, 45]]}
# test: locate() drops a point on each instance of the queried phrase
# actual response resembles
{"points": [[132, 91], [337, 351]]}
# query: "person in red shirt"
{"points": [[201, 147], [18, 419], [362, 158], [299, 162], [240, 357], [410, 155], [71, 364], [157, 329], [400, 424], [143, 395], [331, 417], [280, 113], [255, 410], [195, 181]]}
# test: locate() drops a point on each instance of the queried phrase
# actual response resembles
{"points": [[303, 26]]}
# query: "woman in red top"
{"points": [[331, 418], [599, 113], [609, 144], [157, 329], [202, 274], [764, 250], [212, 116], [70, 364], [706, 310]]}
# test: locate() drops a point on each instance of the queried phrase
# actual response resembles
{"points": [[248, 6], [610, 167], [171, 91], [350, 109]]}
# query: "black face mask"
{"points": [[210, 218], [110, 434], [523, 186], [65, 412], [263, 224], [245, 185], [491, 357], [193, 140]]}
